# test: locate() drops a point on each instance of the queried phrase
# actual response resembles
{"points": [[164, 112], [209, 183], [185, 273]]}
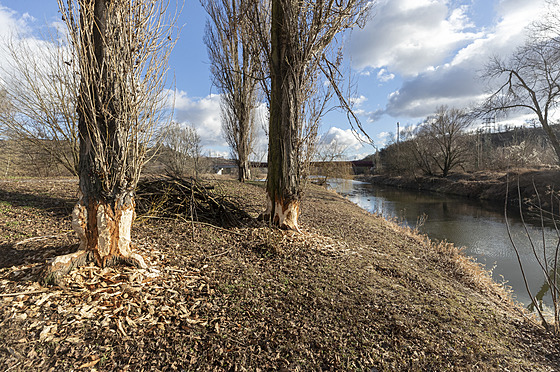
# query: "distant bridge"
{"points": [[358, 166]]}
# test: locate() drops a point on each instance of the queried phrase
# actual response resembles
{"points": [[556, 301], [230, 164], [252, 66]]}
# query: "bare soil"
{"points": [[351, 292]]}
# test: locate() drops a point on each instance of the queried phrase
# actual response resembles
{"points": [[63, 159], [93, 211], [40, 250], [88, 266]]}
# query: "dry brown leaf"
{"points": [[90, 364]]}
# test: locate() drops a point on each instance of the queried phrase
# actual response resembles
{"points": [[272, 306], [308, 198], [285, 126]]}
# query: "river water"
{"points": [[479, 226]]}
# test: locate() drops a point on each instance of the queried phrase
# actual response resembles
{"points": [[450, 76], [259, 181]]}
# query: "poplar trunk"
{"points": [[243, 164], [103, 216], [283, 185]]}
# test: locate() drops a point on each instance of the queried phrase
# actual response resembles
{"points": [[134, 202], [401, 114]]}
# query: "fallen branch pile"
{"points": [[186, 199]]}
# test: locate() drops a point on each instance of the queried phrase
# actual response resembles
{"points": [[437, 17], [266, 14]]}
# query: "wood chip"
{"points": [[90, 364]]}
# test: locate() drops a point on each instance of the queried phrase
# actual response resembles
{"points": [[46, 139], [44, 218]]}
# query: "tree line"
{"points": [[447, 142]]}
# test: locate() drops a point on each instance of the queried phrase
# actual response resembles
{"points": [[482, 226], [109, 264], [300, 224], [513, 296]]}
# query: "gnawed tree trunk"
{"points": [[104, 231], [108, 168], [283, 185], [301, 37]]}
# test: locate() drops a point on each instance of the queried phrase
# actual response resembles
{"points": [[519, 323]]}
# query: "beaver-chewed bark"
{"points": [[110, 163]]}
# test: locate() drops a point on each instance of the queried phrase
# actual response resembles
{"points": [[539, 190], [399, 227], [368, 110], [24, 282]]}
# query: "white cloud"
{"points": [[456, 61], [260, 142], [358, 101], [411, 36], [12, 24], [203, 113], [28, 17], [449, 85], [342, 137], [383, 138], [384, 76], [17, 36], [218, 154]]}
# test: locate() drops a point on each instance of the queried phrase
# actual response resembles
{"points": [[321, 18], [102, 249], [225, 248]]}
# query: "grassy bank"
{"points": [[482, 185], [352, 292]]}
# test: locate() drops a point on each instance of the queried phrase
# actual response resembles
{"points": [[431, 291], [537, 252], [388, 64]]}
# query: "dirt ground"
{"points": [[351, 292]]}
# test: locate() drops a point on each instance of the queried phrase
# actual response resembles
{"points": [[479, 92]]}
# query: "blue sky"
{"points": [[412, 56]]}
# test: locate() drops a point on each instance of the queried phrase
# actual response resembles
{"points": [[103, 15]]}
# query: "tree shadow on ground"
{"points": [[57, 206], [32, 253]]}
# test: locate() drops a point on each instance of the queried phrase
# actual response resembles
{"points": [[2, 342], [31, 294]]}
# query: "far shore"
{"points": [[483, 185]]}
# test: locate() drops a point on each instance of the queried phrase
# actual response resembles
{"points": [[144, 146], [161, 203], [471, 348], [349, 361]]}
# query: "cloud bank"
{"points": [[437, 49]]}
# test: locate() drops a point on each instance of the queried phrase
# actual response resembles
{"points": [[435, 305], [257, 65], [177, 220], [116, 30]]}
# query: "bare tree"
{"points": [[329, 156], [439, 142], [302, 35], [529, 80], [122, 49], [40, 84], [235, 66], [239, 134], [181, 150]]}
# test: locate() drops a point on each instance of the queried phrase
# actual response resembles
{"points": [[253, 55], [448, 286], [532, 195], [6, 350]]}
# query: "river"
{"points": [[478, 226]]}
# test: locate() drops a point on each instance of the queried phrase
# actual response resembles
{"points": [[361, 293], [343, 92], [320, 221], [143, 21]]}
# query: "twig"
{"points": [[14, 366], [220, 228], [15, 294], [175, 270], [219, 254], [37, 238]]}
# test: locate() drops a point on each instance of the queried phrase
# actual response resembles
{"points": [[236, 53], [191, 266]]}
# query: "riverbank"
{"points": [[352, 292], [482, 185]]}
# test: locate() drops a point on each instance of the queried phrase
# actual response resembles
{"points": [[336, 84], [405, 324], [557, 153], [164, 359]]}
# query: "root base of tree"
{"points": [[62, 265]]}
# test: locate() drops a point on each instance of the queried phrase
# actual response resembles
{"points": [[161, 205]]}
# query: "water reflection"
{"points": [[479, 226]]}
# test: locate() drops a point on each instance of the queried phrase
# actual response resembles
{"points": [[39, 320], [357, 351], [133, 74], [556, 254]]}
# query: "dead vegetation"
{"points": [[352, 292], [186, 199], [485, 185]]}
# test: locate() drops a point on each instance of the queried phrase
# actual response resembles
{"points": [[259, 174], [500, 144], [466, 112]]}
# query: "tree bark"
{"points": [[104, 213], [283, 185], [243, 164], [244, 171]]}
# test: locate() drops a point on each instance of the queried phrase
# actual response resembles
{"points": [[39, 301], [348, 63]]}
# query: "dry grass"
{"points": [[482, 185]]}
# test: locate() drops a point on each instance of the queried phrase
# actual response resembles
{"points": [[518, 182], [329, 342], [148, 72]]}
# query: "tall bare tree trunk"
{"points": [[103, 216], [243, 164], [104, 213], [283, 186], [245, 106], [235, 63]]}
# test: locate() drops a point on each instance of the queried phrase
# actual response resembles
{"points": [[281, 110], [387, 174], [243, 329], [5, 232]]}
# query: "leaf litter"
{"points": [[351, 293], [126, 303]]}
